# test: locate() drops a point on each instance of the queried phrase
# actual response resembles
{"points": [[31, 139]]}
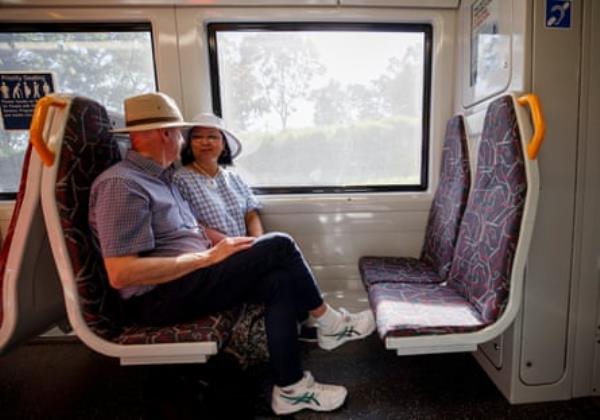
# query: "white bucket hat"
{"points": [[212, 121], [150, 111]]}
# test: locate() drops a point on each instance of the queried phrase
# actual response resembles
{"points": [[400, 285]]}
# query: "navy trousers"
{"points": [[272, 272]]}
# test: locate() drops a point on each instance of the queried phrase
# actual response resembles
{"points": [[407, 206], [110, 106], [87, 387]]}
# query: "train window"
{"points": [[325, 107], [106, 62]]}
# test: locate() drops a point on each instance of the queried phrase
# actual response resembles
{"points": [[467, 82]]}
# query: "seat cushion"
{"points": [[409, 309], [375, 270], [210, 328], [240, 333]]}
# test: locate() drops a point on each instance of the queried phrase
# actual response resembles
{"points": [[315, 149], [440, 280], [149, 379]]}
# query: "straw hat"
{"points": [[150, 111], [212, 121]]}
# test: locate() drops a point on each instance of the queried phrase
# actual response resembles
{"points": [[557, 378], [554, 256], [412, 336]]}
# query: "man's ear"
{"points": [[164, 134]]}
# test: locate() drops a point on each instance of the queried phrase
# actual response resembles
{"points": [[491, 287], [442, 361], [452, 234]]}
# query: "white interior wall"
{"points": [[586, 267], [334, 231]]}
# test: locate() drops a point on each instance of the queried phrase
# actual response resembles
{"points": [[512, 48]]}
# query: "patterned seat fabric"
{"points": [[376, 270], [489, 232], [88, 149], [445, 215], [408, 309], [477, 287], [11, 227]]}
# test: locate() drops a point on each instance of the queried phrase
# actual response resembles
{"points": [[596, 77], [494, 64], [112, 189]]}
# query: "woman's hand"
{"points": [[214, 235], [226, 247]]}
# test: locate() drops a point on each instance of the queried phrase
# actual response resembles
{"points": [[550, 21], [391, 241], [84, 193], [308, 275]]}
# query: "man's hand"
{"points": [[226, 247]]}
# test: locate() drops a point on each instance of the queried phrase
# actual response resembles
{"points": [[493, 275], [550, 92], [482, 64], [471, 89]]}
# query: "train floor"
{"points": [[62, 379]]}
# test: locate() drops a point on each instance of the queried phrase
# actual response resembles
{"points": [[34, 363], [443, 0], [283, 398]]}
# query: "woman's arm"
{"points": [[254, 226]]}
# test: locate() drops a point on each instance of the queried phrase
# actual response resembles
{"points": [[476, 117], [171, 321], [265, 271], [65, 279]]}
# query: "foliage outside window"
{"points": [[325, 107], [106, 63]]}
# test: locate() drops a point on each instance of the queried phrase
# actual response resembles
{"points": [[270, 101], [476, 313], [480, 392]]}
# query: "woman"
{"points": [[218, 198], [225, 205]]}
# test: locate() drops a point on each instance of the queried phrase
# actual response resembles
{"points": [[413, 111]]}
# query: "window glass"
{"points": [[325, 108], [106, 64]]}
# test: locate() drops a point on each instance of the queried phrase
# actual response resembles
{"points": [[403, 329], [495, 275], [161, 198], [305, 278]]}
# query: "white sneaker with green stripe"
{"points": [[307, 394], [350, 327]]}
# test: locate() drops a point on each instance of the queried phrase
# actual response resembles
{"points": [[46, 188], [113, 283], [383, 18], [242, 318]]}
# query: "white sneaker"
{"points": [[307, 394], [351, 327]]}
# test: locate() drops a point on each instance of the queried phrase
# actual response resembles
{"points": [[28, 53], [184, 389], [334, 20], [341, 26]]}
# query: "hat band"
{"points": [[152, 120]]}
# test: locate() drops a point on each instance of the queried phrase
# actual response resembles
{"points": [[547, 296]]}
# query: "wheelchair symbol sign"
{"points": [[558, 13]]}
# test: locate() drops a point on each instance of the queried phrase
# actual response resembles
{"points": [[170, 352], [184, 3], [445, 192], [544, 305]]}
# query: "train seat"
{"points": [[30, 294], [473, 305], [444, 219], [93, 307]]}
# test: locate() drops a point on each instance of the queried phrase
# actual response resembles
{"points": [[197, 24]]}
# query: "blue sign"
{"points": [[558, 13], [19, 92]]}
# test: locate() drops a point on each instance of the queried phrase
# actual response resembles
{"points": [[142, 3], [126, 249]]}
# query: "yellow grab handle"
{"points": [[539, 126], [36, 130]]}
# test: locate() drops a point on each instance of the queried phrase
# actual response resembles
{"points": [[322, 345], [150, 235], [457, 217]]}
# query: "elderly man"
{"points": [[167, 270]]}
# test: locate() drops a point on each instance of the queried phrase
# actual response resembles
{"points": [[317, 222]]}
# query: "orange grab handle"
{"points": [[37, 127], [539, 126]]}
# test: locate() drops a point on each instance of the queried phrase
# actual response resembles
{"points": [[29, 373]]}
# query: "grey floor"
{"points": [[64, 380]]}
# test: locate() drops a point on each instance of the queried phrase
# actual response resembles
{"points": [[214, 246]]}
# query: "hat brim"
{"points": [[152, 126], [235, 145]]}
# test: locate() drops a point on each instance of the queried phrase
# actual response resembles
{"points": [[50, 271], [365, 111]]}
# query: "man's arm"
{"points": [[133, 270]]}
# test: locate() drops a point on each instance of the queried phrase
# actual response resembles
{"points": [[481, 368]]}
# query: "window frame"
{"points": [[426, 28], [61, 27]]}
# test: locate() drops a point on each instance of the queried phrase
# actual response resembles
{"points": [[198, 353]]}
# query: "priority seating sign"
{"points": [[19, 92]]}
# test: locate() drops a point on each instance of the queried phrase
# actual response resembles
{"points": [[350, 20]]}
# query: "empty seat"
{"points": [[489, 258], [31, 299], [94, 308], [30, 294], [445, 215]]}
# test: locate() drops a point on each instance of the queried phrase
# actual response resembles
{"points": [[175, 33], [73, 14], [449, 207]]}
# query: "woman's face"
{"points": [[206, 144]]}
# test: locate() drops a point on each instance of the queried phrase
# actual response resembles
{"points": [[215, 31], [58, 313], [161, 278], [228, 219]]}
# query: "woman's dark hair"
{"points": [[187, 156]]}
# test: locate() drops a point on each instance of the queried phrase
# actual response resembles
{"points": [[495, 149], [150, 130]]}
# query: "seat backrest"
{"points": [[31, 299], [450, 199], [88, 148], [489, 232], [11, 227]]}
